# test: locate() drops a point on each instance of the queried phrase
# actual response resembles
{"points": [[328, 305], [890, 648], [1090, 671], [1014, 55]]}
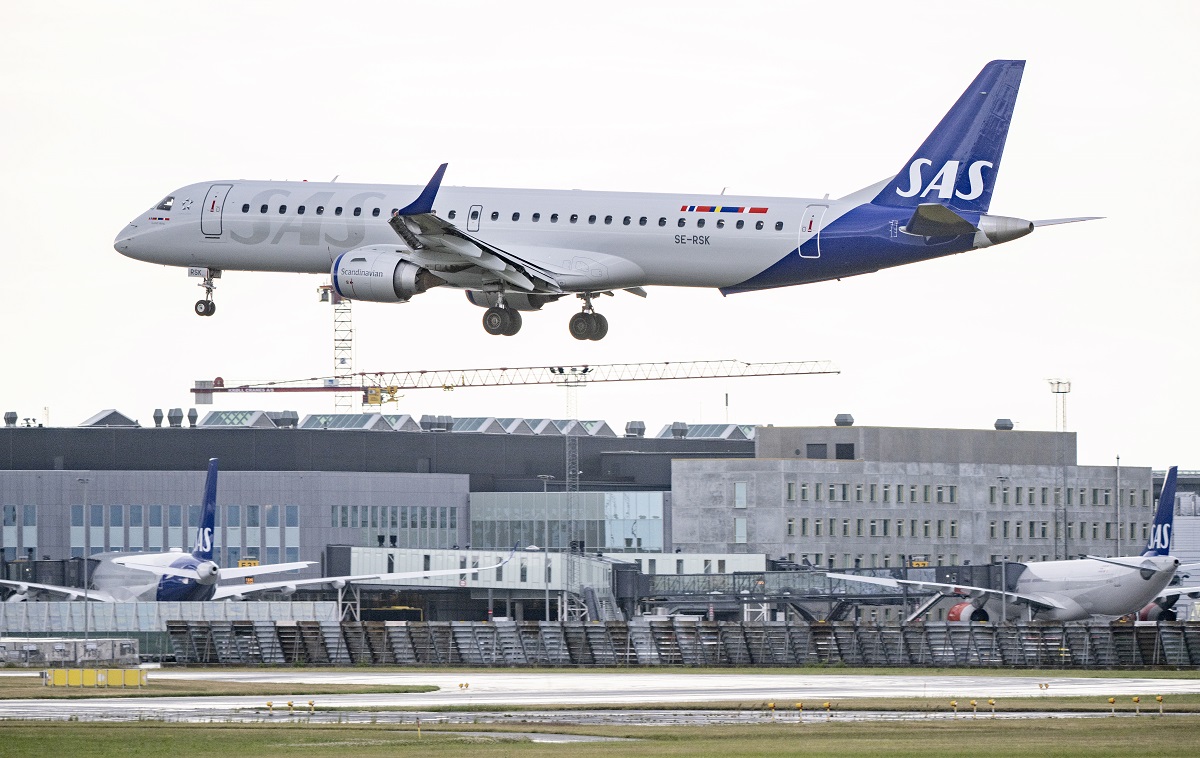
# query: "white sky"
{"points": [[106, 108]]}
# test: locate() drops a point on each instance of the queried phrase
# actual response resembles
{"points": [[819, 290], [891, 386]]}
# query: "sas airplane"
{"points": [[176, 575], [515, 250], [1073, 590]]}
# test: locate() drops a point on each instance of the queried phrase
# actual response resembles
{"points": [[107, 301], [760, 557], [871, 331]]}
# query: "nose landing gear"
{"points": [[207, 307], [588, 325]]}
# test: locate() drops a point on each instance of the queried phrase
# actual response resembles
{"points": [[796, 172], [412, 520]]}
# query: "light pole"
{"points": [[546, 539], [87, 558]]}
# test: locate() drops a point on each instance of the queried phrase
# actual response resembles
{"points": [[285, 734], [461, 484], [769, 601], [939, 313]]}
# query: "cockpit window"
{"points": [[166, 204]]}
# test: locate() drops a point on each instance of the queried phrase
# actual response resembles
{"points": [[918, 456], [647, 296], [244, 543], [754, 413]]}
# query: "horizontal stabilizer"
{"points": [[1057, 221], [933, 220]]}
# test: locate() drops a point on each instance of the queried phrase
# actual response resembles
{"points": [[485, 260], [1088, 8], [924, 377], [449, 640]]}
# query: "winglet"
{"points": [[424, 202]]}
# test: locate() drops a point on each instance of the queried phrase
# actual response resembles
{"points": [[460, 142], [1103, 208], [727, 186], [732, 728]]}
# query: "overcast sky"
{"points": [[107, 108]]}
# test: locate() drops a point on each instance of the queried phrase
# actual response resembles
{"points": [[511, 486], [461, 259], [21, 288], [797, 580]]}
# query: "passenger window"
{"points": [[662, 221], [536, 217], [699, 223], [642, 221], [246, 208], [779, 226], [282, 209], [592, 219], [300, 211], [166, 204], [263, 209], [758, 225], [451, 215], [683, 222], [495, 215], [740, 223], [626, 220], [720, 223], [553, 218], [375, 212], [516, 217], [358, 211], [474, 215], [337, 211], [320, 210], [608, 219], [574, 217]]}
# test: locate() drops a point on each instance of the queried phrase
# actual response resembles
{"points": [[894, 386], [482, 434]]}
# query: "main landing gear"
{"points": [[207, 307], [588, 325], [502, 321]]}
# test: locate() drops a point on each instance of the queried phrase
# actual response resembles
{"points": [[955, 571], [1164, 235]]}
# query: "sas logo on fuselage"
{"points": [[945, 181]]}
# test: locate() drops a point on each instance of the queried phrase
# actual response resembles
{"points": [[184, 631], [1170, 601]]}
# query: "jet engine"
{"points": [[207, 573], [380, 276], [519, 302], [967, 611], [1163, 610]]}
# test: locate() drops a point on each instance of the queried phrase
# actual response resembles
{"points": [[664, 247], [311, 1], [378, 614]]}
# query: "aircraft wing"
{"points": [[440, 246], [1176, 592], [241, 590], [232, 572], [1041, 601], [24, 589]]}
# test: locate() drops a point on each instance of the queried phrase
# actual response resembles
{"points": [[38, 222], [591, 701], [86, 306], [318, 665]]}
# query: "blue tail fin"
{"points": [[203, 548], [958, 162], [1164, 518]]}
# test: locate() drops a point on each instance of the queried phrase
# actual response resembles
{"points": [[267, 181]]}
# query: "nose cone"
{"points": [[126, 242]]}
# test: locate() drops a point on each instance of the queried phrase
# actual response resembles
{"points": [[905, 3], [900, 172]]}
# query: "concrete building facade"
{"points": [[873, 497]]}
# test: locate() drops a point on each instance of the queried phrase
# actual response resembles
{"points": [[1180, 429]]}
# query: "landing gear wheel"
{"points": [[205, 307], [582, 326], [599, 327], [502, 321], [514, 325]]}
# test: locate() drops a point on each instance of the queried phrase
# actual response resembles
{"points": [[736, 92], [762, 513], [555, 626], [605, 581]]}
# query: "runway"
{"points": [[501, 689]]}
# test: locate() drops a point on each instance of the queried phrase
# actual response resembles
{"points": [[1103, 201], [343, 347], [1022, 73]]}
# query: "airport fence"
{"points": [[684, 642]]}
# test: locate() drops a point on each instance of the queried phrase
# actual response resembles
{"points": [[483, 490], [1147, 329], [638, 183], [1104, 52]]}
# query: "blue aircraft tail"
{"points": [[958, 162], [1164, 518], [203, 548]]}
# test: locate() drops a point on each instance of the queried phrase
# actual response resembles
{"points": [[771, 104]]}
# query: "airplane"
{"points": [[120, 577], [515, 250], [1074, 590]]}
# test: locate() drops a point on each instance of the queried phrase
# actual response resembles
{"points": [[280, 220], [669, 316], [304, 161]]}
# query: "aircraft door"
{"points": [[810, 229], [473, 218], [210, 214]]}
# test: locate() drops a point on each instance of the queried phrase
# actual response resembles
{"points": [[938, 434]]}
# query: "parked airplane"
{"points": [[119, 577], [1074, 589], [515, 250]]}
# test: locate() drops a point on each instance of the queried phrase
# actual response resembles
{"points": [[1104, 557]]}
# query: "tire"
{"points": [[496, 321], [201, 307], [514, 325], [212, 308], [581, 326], [599, 327]]}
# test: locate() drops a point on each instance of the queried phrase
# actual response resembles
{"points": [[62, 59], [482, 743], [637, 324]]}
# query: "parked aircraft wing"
{"points": [[23, 590], [232, 572], [1056, 221], [1041, 601], [241, 590], [1177, 591]]}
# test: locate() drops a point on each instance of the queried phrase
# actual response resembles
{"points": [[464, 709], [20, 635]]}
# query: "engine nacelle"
{"points": [[207, 573], [967, 611], [380, 276], [518, 302]]}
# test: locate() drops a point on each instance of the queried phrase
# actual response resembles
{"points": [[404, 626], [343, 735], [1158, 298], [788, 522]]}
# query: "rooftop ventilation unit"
{"points": [[844, 419], [1004, 425]]}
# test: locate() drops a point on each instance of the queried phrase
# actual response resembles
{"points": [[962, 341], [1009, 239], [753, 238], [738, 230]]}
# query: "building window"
{"points": [[803, 527], [874, 492], [887, 493], [858, 493], [925, 493], [817, 492], [739, 531], [791, 491], [817, 451], [739, 494], [817, 524], [804, 492], [941, 528], [874, 528], [844, 451], [925, 529], [992, 495], [791, 527]]}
